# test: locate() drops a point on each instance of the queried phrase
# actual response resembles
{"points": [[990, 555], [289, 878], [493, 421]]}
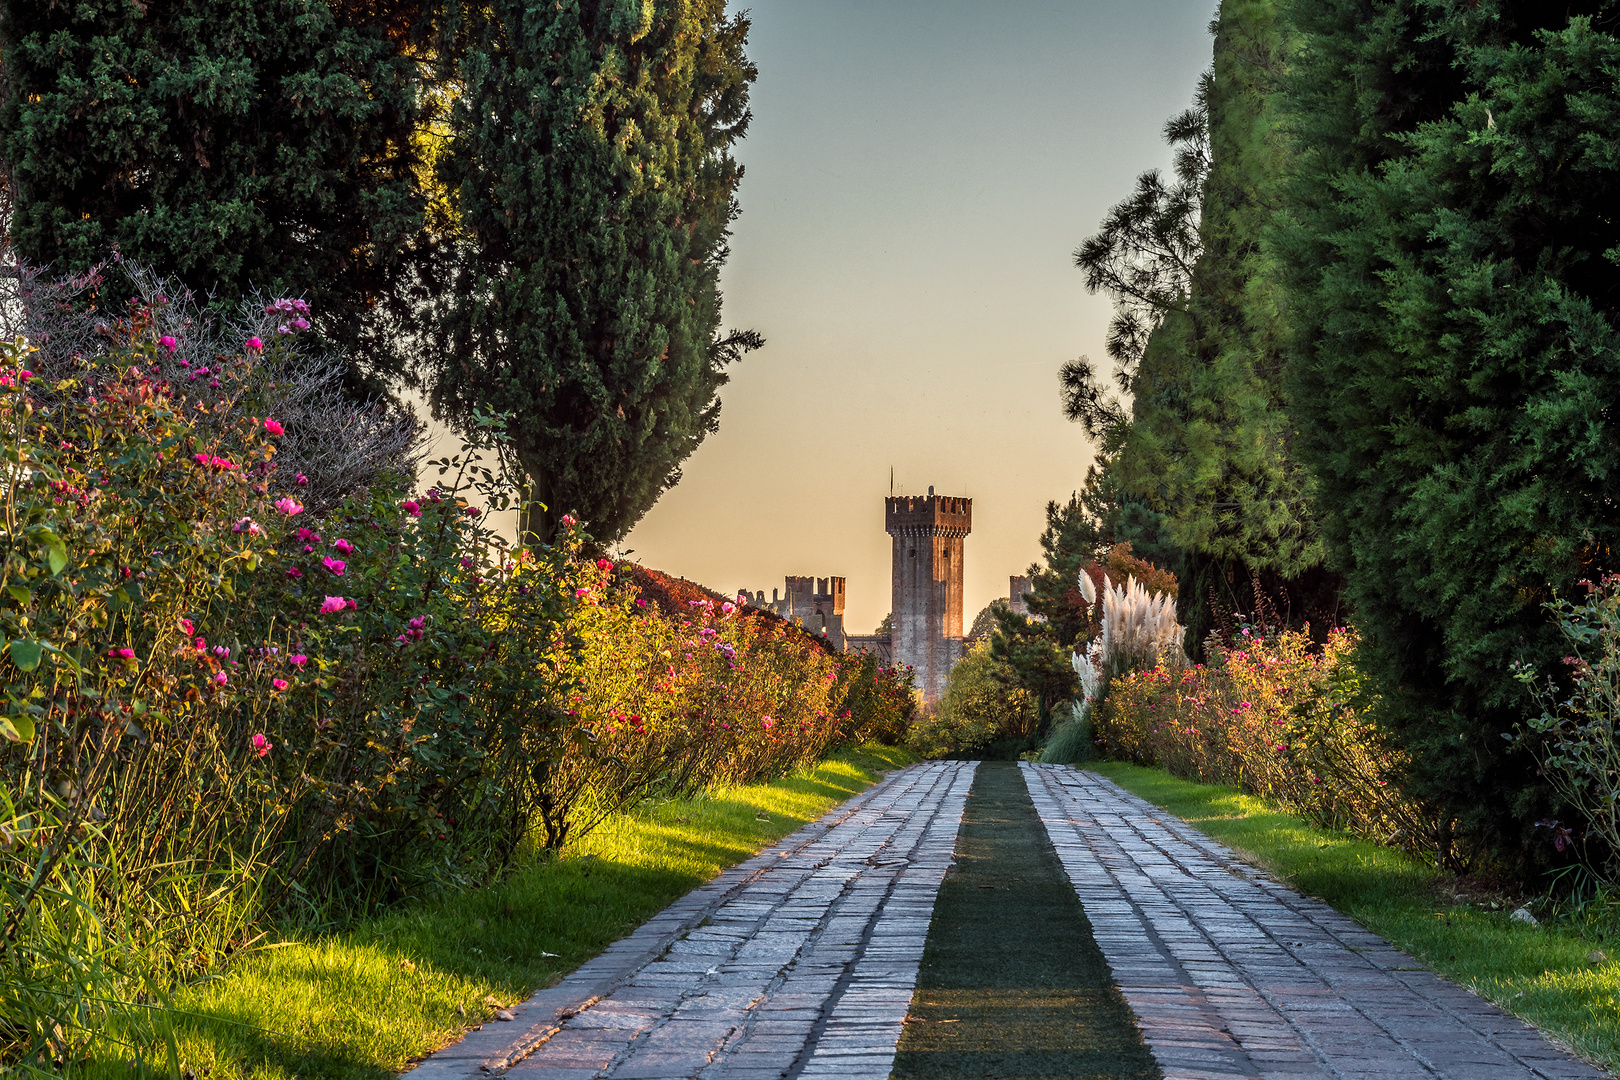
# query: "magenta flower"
{"points": [[768, 722], [472, 511], [289, 506], [301, 480], [728, 607], [569, 520], [168, 343], [300, 323], [352, 606], [413, 508], [221, 678], [187, 628], [582, 592], [332, 605], [343, 546], [294, 573], [306, 534], [273, 427], [254, 343], [261, 744], [334, 565], [121, 654], [298, 660], [279, 684]]}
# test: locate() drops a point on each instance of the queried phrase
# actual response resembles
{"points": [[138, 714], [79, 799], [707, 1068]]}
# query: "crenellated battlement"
{"points": [[927, 515]]}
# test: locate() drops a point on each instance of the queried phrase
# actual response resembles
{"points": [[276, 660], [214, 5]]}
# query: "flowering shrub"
{"points": [[208, 712], [715, 693], [1276, 718], [1573, 738]]}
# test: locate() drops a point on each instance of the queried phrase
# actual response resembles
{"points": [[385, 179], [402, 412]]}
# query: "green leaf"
{"points": [[19, 594], [26, 654], [17, 729], [55, 550]]}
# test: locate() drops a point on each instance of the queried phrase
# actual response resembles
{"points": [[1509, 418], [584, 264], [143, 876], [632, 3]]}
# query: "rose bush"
{"points": [[1278, 718]]}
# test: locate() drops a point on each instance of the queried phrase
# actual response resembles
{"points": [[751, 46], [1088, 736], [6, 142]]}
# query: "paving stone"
{"points": [[1232, 974], [800, 961]]}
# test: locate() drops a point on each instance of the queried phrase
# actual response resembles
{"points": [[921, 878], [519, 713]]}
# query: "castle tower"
{"points": [[928, 532]]}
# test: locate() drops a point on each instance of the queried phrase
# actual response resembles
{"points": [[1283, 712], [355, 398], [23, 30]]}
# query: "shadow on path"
{"points": [[1012, 984]]}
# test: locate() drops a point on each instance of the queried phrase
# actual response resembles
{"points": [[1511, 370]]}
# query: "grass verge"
{"points": [[1550, 976], [368, 1001]]}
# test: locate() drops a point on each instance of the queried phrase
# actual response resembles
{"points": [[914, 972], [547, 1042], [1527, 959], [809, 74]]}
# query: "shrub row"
{"points": [[1274, 715], [221, 707]]}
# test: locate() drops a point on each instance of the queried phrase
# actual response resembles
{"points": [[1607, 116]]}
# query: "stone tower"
{"points": [[928, 532]]}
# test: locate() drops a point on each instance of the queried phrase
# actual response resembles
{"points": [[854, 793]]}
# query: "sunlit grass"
{"points": [[1541, 974], [368, 1001]]}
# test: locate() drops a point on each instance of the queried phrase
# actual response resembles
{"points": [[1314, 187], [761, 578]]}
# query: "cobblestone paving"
{"points": [[799, 962], [1231, 974]]}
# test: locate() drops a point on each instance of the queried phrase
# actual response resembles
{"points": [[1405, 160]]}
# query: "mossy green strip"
{"points": [[1012, 983]]}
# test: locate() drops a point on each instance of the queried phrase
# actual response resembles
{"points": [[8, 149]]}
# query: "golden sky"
{"points": [[919, 173]]}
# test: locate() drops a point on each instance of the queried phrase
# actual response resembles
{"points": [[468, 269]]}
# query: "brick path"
{"points": [[799, 962], [1233, 975]]}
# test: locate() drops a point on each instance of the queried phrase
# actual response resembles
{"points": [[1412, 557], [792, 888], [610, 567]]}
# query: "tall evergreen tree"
{"points": [[234, 144], [1452, 256], [589, 166], [1206, 457]]}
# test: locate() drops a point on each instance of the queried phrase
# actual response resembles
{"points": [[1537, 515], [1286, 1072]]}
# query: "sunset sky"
{"points": [[919, 173]]}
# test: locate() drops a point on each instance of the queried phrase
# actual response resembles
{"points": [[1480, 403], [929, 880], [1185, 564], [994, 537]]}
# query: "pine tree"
{"points": [[1452, 270], [1206, 459], [589, 169], [235, 145]]}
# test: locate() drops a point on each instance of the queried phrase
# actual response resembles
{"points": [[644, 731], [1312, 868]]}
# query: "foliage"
{"points": [[198, 732], [339, 444], [1275, 717], [985, 622], [236, 147], [1573, 739], [982, 710], [589, 169], [1138, 630], [717, 694], [1143, 257], [1452, 282]]}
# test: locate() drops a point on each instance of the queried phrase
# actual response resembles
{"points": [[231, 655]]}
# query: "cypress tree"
{"points": [[1207, 456], [232, 143], [590, 172], [1452, 267]]}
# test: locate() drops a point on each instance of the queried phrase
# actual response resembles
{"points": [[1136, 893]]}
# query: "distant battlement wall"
{"points": [[817, 604]]}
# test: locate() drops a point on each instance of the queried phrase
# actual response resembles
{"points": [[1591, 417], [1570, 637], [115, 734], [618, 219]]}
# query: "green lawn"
{"points": [[1546, 974], [368, 1001]]}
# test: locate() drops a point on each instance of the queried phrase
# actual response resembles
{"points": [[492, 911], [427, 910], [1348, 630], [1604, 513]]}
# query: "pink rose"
{"points": [[298, 660], [255, 344], [343, 546], [289, 506], [221, 678], [168, 343], [413, 508], [273, 427], [332, 605], [334, 565], [279, 684], [261, 744], [294, 573]]}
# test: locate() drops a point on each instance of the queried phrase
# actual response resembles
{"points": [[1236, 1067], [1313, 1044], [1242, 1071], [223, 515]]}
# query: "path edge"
{"points": [[497, 1045]]}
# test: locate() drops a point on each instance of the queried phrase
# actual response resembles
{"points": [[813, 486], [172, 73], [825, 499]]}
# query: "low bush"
{"points": [[982, 711], [1276, 718]]}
